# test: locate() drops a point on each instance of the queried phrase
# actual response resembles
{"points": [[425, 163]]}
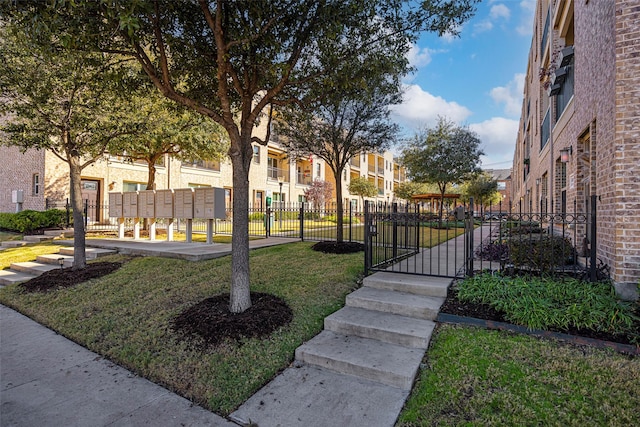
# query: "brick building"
{"points": [[579, 130]]}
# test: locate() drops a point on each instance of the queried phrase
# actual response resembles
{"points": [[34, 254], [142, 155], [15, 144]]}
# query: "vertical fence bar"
{"points": [[350, 221], [593, 249], [469, 233], [367, 240], [394, 237], [301, 219]]}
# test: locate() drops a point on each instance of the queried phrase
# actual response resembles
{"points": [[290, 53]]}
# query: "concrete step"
{"points": [[404, 304], [15, 243], [54, 259], [91, 253], [9, 277], [30, 267], [386, 327], [37, 238], [409, 283], [374, 360], [67, 232]]}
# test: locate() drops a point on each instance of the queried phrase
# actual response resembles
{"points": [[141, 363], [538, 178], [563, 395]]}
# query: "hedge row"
{"points": [[28, 221]]}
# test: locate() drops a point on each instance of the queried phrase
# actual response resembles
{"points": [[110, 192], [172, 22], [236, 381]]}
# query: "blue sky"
{"points": [[475, 79]]}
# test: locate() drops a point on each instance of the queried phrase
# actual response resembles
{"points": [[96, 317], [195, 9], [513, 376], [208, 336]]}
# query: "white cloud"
{"points": [[420, 108], [419, 57], [500, 11], [510, 95], [525, 28], [498, 136], [482, 27]]}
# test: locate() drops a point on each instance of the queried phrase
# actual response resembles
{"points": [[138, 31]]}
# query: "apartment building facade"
{"points": [[43, 178], [579, 133]]}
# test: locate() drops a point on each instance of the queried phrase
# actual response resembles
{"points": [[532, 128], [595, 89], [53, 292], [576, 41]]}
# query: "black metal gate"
{"points": [[401, 238]]}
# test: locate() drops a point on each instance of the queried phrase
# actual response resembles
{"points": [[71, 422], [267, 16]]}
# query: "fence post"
{"points": [[395, 230], [469, 228], [86, 214], [593, 249], [350, 219], [68, 209], [367, 242], [267, 222], [301, 217]]}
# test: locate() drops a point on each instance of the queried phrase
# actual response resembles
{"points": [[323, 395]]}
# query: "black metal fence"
{"points": [[405, 239], [295, 220]]}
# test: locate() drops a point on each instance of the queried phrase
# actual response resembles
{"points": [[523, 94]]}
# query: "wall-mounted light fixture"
{"points": [[538, 181], [565, 153]]}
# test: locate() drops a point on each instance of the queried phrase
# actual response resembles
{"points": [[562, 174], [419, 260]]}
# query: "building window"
{"points": [[35, 187], [566, 79], [213, 165], [318, 170], [256, 154], [545, 129], [133, 186]]}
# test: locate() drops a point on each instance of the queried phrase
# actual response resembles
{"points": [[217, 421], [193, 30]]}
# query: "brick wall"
{"points": [[16, 173]]}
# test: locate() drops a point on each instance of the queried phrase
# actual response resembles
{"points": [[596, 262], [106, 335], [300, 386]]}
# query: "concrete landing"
{"points": [[401, 303]]}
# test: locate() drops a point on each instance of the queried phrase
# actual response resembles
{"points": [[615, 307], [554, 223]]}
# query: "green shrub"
{"points": [[541, 252], [546, 303], [256, 216], [315, 216], [345, 219], [30, 220]]}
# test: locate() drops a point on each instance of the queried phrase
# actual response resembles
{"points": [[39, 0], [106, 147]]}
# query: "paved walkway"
{"points": [[47, 380]]}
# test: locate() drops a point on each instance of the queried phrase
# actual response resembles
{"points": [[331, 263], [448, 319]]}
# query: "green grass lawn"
{"points": [[6, 235], [26, 253], [475, 377], [126, 317]]}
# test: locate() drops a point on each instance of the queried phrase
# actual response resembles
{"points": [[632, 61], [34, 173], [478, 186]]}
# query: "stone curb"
{"points": [[573, 339]]}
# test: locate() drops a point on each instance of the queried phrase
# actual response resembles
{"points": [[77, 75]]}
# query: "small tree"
{"points": [[362, 187], [483, 188], [318, 192], [444, 155], [406, 190], [168, 128], [70, 103]]}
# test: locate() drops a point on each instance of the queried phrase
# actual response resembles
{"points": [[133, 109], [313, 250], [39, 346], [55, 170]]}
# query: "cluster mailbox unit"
{"points": [[183, 203]]}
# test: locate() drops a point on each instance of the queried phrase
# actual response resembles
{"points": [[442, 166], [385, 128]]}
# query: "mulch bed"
{"points": [[67, 277], [331, 247], [210, 322]]}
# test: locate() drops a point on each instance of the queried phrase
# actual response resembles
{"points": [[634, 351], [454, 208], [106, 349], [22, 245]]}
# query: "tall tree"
{"points": [[362, 187], [444, 155], [348, 119], [229, 60], [67, 103], [169, 128]]}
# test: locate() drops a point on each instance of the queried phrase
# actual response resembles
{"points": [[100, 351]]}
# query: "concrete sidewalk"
{"points": [[48, 380]]}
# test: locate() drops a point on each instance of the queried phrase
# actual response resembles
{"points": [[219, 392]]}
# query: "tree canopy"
{"points": [[362, 187], [445, 154], [169, 128], [229, 61], [483, 188], [70, 103]]}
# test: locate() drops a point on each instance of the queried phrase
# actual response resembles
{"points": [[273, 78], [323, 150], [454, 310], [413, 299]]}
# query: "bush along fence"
{"points": [[540, 243]]}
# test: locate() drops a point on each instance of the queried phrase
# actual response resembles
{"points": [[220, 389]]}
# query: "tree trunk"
{"points": [[77, 205], [151, 178], [339, 207], [240, 297]]}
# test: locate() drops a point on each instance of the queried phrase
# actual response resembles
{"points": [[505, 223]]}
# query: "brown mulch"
{"points": [[331, 247], [67, 277], [210, 322], [453, 305]]}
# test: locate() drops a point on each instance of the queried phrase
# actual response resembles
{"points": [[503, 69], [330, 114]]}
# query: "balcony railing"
{"points": [[277, 174], [304, 179]]}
